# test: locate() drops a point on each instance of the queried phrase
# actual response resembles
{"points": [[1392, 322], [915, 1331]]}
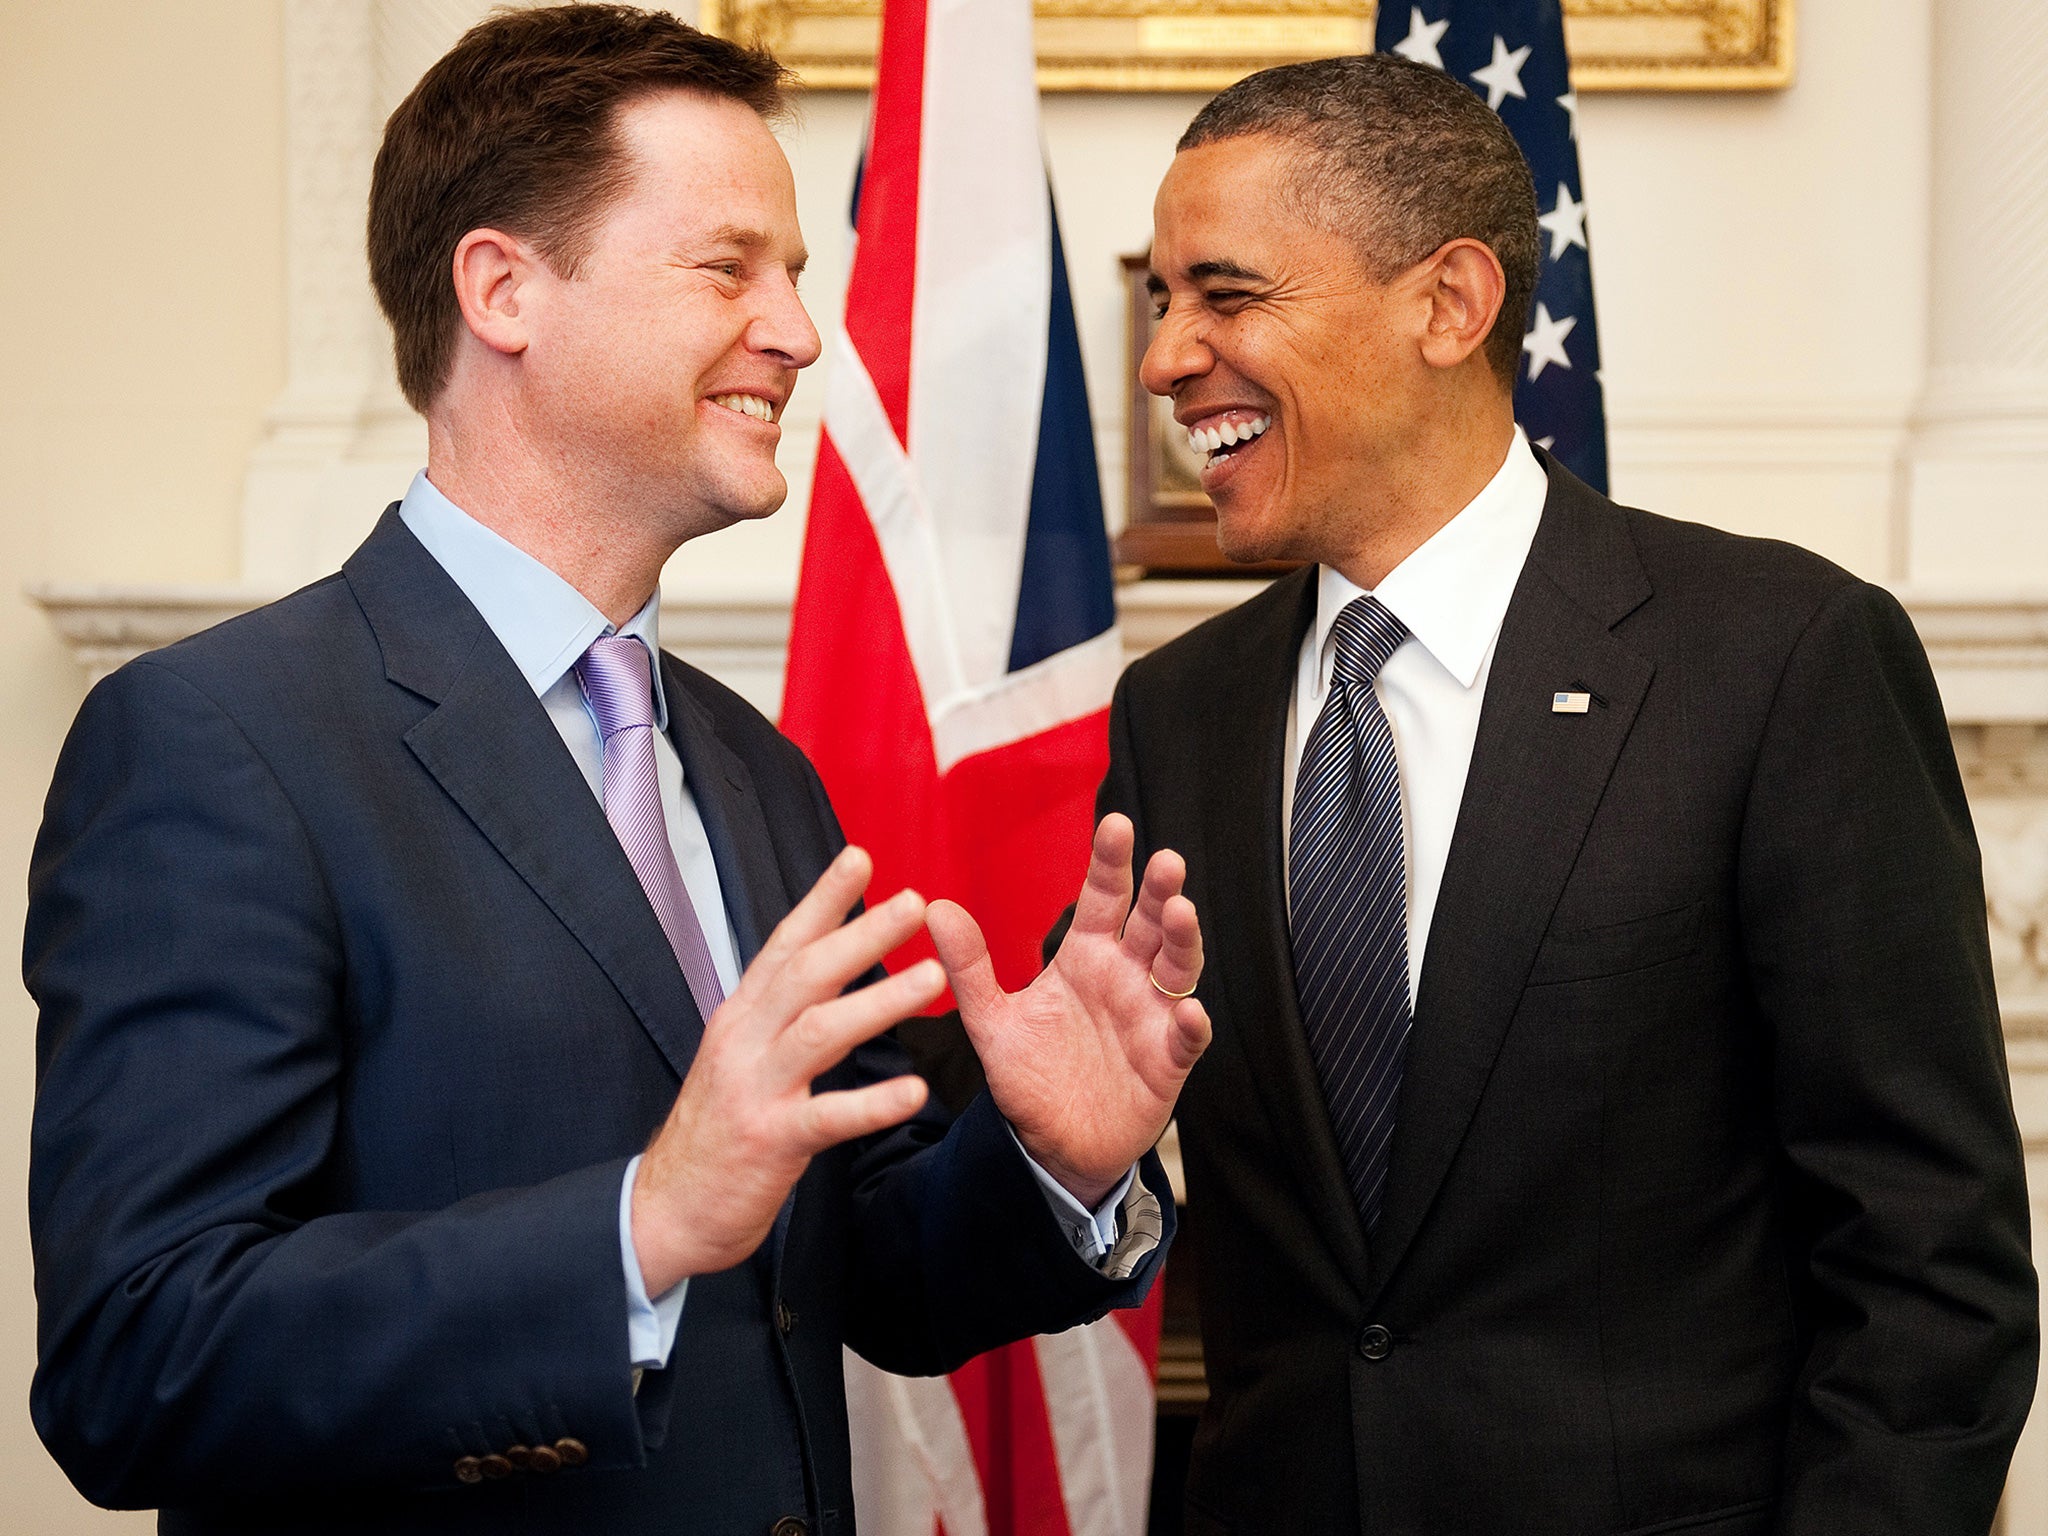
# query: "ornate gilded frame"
{"points": [[1204, 45]]}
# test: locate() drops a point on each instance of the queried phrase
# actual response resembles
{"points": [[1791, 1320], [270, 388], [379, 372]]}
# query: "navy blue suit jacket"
{"points": [[352, 1012]]}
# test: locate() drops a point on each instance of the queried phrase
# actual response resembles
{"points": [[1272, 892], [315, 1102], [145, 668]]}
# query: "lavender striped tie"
{"points": [[618, 680]]}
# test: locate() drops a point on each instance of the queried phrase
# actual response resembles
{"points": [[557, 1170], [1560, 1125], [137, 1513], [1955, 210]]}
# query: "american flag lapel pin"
{"points": [[1570, 703]]}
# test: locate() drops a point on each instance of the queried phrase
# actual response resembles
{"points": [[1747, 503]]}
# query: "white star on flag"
{"points": [[1570, 102], [1419, 46], [1566, 223], [1503, 77], [1545, 343]]}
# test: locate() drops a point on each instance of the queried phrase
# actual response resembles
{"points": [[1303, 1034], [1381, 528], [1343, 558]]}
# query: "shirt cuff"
{"points": [[1093, 1233], [650, 1325]]}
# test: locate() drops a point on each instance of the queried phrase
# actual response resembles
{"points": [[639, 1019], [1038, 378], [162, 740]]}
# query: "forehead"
{"points": [[705, 160], [1228, 198]]}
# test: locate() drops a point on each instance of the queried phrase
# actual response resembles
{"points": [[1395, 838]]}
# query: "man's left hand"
{"points": [[1087, 1061]]}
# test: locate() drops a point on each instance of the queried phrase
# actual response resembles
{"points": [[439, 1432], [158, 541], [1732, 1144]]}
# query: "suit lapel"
{"points": [[489, 744], [723, 787], [1535, 782], [1253, 959], [749, 874]]}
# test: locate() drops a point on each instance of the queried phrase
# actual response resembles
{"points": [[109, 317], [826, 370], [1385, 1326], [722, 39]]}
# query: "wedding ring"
{"points": [[1176, 996]]}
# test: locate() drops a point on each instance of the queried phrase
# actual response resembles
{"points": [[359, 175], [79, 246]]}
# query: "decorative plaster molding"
{"points": [[1990, 655]]}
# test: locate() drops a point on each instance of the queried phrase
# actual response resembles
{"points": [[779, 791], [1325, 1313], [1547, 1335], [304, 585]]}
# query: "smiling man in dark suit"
{"points": [[376, 933], [1607, 1126]]}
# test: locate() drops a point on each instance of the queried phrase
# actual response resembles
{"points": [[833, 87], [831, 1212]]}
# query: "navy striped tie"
{"points": [[1348, 884]]}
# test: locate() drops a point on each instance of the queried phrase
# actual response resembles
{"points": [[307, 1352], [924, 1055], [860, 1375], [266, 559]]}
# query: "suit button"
{"points": [[544, 1458], [573, 1452], [785, 1318], [495, 1467], [520, 1457], [469, 1470], [1375, 1343], [790, 1525]]}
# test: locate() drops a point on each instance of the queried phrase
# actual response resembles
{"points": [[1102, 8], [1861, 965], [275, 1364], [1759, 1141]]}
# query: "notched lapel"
{"points": [[734, 822], [1536, 780], [1245, 722], [491, 746]]}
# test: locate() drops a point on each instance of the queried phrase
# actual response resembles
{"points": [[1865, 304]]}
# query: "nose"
{"points": [[783, 328], [1175, 355]]}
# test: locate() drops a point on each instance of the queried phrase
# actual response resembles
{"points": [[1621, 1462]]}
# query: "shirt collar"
{"points": [[1453, 591], [544, 623]]}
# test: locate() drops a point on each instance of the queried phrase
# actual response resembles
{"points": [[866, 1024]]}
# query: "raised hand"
{"points": [[1087, 1061], [746, 1124]]}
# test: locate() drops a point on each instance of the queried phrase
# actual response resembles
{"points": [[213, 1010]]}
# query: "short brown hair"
{"points": [[516, 129], [1401, 158]]}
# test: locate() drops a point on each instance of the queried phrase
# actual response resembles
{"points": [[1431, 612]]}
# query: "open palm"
{"points": [[1087, 1061]]}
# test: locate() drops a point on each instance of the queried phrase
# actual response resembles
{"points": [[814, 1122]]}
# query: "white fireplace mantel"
{"points": [[1989, 652]]}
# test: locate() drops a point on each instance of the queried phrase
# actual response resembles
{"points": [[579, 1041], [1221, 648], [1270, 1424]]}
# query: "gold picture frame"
{"points": [[1204, 45]]}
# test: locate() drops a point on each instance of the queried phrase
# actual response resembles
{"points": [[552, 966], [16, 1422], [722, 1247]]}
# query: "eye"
{"points": [[1227, 298]]}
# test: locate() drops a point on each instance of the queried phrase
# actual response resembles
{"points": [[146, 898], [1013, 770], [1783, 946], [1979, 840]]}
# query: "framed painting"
{"points": [[1204, 45]]}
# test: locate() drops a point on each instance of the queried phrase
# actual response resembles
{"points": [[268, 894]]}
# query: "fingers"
{"points": [[823, 908], [830, 1118], [1105, 897], [964, 953], [1178, 964], [1191, 1033], [1164, 876], [814, 953], [822, 1035]]}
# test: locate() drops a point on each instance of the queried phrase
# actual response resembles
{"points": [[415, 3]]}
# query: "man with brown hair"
{"points": [[1606, 1128], [377, 932]]}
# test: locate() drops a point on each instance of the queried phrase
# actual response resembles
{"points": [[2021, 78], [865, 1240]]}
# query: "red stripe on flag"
{"points": [[852, 701], [1021, 819], [884, 281], [1003, 1403]]}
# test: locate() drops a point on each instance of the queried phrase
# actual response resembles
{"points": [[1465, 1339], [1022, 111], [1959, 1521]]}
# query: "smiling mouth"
{"points": [[747, 405], [1227, 436]]}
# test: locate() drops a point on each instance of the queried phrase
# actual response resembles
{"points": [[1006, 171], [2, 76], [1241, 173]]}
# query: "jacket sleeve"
{"points": [[206, 1326], [1862, 910]]}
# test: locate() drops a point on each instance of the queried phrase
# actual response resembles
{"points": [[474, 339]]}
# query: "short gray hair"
{"points": [[1400, 158]]}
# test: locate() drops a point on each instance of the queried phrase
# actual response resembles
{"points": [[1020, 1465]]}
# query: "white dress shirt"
{"points": [[546, 625], [1453, 595]]}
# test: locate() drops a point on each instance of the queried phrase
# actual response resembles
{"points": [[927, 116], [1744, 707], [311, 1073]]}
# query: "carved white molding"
{"points": [[1990, 655]]}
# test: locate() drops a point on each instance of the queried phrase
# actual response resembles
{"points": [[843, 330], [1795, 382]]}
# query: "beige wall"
{"points": [[1763, 275], [141, 337]]}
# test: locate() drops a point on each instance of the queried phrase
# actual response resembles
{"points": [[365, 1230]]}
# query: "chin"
{"points": [[1248, 540]]}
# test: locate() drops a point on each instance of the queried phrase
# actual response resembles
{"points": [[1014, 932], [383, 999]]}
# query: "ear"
{"points": [[491, 269], [1466, 288]]}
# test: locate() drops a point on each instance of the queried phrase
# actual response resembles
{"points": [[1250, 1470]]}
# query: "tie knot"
{"points": [[1366, 634], [618, 679]]}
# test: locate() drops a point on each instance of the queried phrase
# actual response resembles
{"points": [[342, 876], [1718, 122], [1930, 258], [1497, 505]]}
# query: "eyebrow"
{"points": [[1202, 271], [1207, 269], [752, 240]]}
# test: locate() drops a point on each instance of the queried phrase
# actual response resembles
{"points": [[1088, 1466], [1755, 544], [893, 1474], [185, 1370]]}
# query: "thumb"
{"points": [[964, 953]]}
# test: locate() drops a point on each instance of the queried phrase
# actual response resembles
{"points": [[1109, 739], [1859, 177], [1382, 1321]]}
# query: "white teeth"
{"points": [[1229, 434], [746, 405]]}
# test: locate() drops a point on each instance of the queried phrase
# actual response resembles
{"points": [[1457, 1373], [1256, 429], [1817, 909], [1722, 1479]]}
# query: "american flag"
{"points": [[951, 661], [1512, 53]]}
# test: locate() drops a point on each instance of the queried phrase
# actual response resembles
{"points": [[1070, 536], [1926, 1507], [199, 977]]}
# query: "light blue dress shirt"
{"points": [[546, 625]]}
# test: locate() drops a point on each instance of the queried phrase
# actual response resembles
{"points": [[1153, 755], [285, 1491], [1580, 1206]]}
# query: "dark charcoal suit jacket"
{"points": [[1705, 1210], [352, 1013]]}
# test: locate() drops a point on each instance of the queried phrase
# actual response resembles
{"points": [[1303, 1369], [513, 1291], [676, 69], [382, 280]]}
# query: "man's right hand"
{"points": [[745, 1124]]}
